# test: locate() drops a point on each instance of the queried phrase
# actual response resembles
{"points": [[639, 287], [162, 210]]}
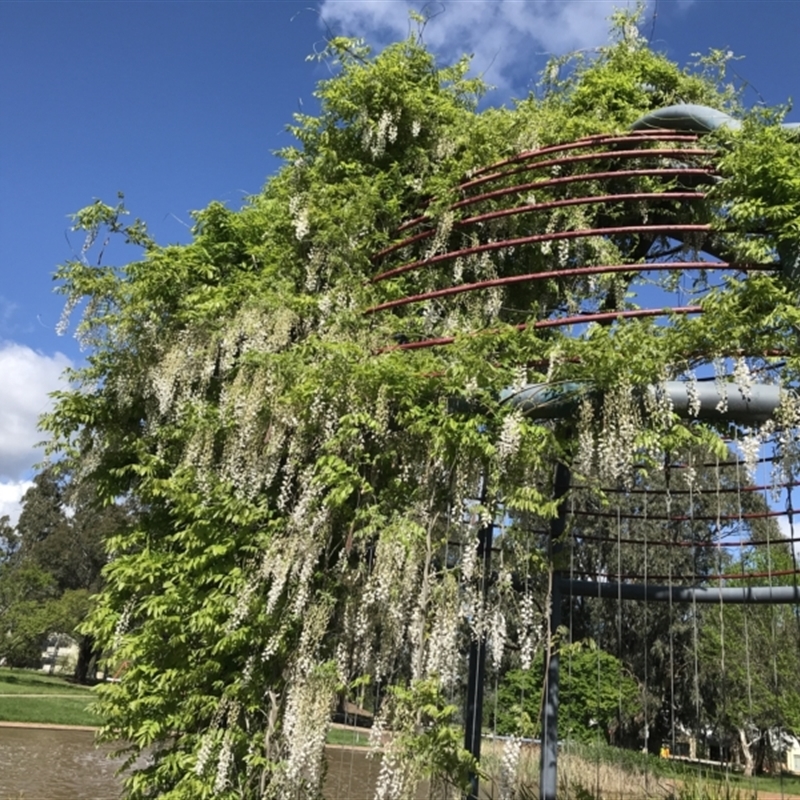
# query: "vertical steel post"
{"points": [[548, 776], [477, 667]]}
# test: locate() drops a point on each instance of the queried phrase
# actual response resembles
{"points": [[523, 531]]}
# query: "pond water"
{"points": [[41, 764]]}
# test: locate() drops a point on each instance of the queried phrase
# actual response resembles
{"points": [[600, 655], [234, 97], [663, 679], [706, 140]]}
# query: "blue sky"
{"points": [[180, 103]]}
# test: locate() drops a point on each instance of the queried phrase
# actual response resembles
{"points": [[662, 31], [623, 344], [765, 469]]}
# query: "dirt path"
{"points": [[46, 726], [776, 796]]}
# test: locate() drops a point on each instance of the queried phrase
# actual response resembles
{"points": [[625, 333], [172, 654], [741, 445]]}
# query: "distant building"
{"points": [[60, 655], [792, 763]]}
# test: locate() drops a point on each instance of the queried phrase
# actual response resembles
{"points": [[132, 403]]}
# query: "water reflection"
{"points": [[39, 764]]}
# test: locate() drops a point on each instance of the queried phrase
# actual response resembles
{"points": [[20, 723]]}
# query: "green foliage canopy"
{"points": [[596, 696], [298, 482]]}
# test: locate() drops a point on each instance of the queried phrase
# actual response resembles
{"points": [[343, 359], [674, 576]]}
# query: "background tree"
{"points": [[657, 642], [8, 539], [26, 592], [597, 696], [53, 565], [750, 657], [27, 586]]}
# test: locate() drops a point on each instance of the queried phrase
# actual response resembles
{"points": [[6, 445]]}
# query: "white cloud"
{"points": [[7, 310], [26, 377], [506, 37], [10, 495]]}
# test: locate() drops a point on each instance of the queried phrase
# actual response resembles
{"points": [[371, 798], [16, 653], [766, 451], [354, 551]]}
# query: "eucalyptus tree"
{"points": [[301, 472], [749, 660], [9, 540], [52, 563], [685, 521], [28, 587]]}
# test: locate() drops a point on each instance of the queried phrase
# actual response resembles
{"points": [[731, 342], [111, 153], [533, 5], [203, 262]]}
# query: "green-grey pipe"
{"points": [[693, 118], [700, 400], [682, 594]]}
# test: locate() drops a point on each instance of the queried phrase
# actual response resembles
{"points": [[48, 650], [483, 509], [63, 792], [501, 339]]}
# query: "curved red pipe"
{"points": [[664, 135], [547, 275], [587, 176], [540, 237], [608, 316], [713, 491], [663, 543], [532, 207], [576, 159], [684, 517]]}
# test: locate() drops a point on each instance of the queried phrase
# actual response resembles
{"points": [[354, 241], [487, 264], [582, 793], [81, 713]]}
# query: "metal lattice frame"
{"points": [[600, 169]]}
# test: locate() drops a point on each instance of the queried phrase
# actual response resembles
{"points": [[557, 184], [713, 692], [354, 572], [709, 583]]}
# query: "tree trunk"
{"points": [[85, 668], [747, 753], [761, 754]]}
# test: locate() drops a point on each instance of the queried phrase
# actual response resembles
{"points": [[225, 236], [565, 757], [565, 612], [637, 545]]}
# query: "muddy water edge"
{"points": [[65, 764]]}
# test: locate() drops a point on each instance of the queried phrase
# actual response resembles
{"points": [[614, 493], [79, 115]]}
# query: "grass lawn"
{"points": [[28, 681], [788, 784], [52, 710], [696, 780], [349, 737], [16, 706]]}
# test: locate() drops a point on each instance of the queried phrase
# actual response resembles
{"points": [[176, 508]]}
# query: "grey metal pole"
{"points": [[548, 775], [473, 707], [777, 595], [545, 401]]}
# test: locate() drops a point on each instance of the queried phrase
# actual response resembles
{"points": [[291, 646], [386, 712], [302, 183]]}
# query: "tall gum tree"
{"points": [[300, 484], [57, 550]]}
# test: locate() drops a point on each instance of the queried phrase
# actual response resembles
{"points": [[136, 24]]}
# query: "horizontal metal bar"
{"points": [[756, 404], [693, 118], [777, 595]]}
